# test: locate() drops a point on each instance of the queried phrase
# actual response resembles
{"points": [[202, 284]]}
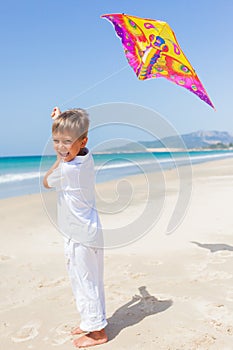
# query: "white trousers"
{"points": [[85, 268]]}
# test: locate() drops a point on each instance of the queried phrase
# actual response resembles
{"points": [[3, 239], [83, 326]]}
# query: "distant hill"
{"points": [[197, 139]]}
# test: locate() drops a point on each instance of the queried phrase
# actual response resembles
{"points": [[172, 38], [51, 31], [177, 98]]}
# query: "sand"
{"points": [[165, 292]]}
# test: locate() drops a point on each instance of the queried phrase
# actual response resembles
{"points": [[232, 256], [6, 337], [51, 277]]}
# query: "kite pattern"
{"points": [[152, 51]]}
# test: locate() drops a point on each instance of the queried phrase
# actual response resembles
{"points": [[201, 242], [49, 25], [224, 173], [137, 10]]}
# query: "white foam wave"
{"points": [[205, 157], [173, 160], [108, 165], [6, 178]]}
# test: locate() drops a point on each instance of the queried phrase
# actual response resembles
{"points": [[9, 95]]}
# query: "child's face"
{"points": [[67, 146]]}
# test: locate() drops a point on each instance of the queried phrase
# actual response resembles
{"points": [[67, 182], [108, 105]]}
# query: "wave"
{"points": [[173, 159], [19, 177], [192, 158], [125, 163]]}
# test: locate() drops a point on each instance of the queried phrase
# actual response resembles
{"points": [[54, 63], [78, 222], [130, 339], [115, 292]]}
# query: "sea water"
{"points": [[23, 175]]}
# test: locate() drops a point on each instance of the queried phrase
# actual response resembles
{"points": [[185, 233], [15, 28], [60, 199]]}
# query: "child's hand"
{"points": [[55, 112]]}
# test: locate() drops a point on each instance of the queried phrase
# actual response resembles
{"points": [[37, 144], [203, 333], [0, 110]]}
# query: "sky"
{"points": [[61, 53]]}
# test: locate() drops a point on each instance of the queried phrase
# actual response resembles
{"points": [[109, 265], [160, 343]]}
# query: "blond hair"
{"points": [[75, 120]]}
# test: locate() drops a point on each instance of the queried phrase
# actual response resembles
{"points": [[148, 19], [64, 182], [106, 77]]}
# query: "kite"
{"points": [[152, 51]]}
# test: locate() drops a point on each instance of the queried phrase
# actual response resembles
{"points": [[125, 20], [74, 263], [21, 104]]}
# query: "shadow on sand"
{"points": [[134, 311], [213, 248]]}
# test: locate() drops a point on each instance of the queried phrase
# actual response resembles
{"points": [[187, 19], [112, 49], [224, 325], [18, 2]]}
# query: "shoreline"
{"points": [[198, 166], [148, 149], [195, 162]]}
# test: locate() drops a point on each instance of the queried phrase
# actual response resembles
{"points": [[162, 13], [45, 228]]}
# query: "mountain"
{"points": [[207, 138], [197, 139]]}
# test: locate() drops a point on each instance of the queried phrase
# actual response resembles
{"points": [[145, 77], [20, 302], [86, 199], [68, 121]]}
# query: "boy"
{"points": [[73, 177]]}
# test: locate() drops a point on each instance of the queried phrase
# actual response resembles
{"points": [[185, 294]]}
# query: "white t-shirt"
{"points": [[78, 218]]}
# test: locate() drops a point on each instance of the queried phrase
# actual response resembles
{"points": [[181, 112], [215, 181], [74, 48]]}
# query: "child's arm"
{"points": [[55, 113], [53, 167]]}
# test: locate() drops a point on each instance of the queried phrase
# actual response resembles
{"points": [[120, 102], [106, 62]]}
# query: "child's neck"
{"points": [[83, 152]]}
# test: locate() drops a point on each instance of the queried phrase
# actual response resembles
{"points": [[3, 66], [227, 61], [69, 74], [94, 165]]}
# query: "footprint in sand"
{"points": [[216, 260], [218, 315], [60, 340], [63, 332], [229, 296], [225, 254], [137, 275], [4, 258], [202, 342], [65, 328], [212, 276], [52, 283], [153, 263], [27, 332], [196, 268], [221, 275]]}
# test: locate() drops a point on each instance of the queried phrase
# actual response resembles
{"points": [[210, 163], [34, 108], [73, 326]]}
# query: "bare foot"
{"points": [[77, 330], [91, 339]]}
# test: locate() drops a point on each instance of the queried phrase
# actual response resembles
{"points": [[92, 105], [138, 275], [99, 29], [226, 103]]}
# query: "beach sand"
{"points": [[165, 292]]}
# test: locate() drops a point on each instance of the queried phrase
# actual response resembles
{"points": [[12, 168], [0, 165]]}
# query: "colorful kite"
{"points": [[153, 51]]}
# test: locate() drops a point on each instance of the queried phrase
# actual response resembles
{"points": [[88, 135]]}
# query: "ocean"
{"points": [[22, 175]]}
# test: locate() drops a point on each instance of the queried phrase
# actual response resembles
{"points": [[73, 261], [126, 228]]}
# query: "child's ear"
{"points": [[84, 142]]}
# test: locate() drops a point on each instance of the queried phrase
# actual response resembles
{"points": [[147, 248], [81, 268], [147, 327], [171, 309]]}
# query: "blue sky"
{"points": [[56, 52]]}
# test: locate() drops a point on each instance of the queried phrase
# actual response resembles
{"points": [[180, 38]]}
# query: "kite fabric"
{"points": [[153, 51]]}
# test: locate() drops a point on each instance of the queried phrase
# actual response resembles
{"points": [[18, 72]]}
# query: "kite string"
{"points": [[92, 86]]}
